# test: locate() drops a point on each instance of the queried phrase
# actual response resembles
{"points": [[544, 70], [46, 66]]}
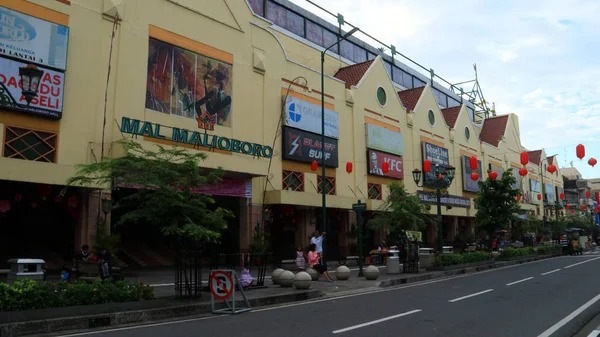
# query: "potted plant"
{"points": [[260, 243]]}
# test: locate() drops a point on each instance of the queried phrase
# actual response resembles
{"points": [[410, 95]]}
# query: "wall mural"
{"points": [[183, 83]]}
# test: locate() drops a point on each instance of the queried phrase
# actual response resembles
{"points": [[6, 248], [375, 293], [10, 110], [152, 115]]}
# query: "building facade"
{"points": [[239, 80]]}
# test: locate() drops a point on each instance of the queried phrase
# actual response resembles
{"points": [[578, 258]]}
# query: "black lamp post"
{"points": [[323, 178], [441, 182], [30, 81]]}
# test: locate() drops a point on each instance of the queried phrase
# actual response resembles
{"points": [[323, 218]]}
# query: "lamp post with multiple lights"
{"points": [[30, 81]]}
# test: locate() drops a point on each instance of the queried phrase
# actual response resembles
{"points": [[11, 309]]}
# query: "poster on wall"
{"points": [[299, 145], [48, 102], [469, 184], [518, 178], [536, 188], [386, 140], [183, 83], [307, 116], [376, 160], [438, 156], [33, 40], [550, 196]]}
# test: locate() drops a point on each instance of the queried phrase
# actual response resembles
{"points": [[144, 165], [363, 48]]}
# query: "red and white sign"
{"points": [[221, 284], [376, 159], [49, 100]]}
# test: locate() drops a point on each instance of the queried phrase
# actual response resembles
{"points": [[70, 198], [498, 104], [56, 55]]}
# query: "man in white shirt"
{"points": [[317, 239]]}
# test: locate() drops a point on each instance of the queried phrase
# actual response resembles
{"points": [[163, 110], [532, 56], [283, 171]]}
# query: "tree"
{"points": [[497, 203], [401, 211], [165, 194]]}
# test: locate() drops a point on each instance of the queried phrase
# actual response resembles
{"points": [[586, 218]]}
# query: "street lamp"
{"points": [[323, 178], [441, 182], [30, 81]]}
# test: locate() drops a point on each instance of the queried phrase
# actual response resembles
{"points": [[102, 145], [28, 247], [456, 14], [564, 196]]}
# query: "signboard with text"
{"points": [[438, 156], [386, 140], [469, 184], [33, 40], [306, 147], [307, 116], [48, 102], [450, 200], [376, 160]]}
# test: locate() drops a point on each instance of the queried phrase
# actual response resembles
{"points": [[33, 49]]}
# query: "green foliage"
{"points": [[445, 260], [496, 203], [514, 252], [260, 240], [29, 294], [401, 211], [170, 175], [549, 249]]}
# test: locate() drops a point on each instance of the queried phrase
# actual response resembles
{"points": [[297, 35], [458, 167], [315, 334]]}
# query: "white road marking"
{"points": [[519, 281], [594, 333], [550, 272], [582, 262], [472, 295], [354, 327], [569, 317]]}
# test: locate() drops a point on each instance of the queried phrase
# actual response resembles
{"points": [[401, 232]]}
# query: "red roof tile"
{"points": [[535, 156], [410, 97], [354, 73], [451, 115], [493, 130]]}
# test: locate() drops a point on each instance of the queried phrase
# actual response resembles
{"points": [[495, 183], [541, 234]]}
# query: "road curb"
{"points": [[474, 269], [84, 322]]}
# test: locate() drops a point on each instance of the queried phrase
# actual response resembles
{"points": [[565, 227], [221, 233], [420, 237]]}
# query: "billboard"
{"points": [[306, 116], [469, 184], [33, 40], [550, 196], [386, 140], [438, 156], [376, 159], [299, 145], [48, 102]]}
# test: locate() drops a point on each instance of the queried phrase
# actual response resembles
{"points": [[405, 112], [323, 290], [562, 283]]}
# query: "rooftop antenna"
{"points": [[475, 96]]}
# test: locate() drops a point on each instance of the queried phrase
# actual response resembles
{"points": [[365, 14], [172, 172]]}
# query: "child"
{"points": [[300, 261]]}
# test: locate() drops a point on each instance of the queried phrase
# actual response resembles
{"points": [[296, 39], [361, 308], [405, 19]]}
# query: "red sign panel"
{"points": [[376, 160]]}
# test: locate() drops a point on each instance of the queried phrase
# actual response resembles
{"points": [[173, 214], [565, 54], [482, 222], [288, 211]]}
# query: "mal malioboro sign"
{"points": [[153, 130]]}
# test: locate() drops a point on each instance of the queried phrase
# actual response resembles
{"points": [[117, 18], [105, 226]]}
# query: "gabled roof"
{"points": [[410, 97], [451, 115], [535, 156], [551, 160], [493, 130], [354, 73]]}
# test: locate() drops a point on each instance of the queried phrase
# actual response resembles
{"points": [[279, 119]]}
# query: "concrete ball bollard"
{"points": [[275, 275], [286, 279], [314, 275], [342, 273], [371, 273], [302, 280]]}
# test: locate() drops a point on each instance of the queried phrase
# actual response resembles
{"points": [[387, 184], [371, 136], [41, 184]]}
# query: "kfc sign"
{"points": [[376, 160], [49, 100], [306, 147]]}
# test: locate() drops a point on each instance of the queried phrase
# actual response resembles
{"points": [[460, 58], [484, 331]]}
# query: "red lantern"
{"points": [[426, 166], [561, 196], [523, 172], [314, 165], [474, 176], [580, 150], [587, 194], [493, 175], [524, 158], [551, 168], [349, 167], [385, 167], [572, 211], [592, 162], [539, 196], [473, 163], [583, 207], [567, 206], [518, 197], [440, 176]]}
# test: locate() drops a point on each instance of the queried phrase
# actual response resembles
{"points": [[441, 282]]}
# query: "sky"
{"points": [[535, 58]]}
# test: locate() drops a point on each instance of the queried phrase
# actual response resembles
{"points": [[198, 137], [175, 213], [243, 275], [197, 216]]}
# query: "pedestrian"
{"points": [[317, 240], [300, 261], [313, 262]]}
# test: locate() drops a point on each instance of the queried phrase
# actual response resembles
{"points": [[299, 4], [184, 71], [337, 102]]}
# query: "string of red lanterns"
{"points": [[473, 163], [474, 176], [592, 162], [580, 151], [493, 175]]}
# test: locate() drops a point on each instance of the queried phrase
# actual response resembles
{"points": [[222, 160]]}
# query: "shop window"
{"points": [[375, 191], [293, 181], [29, 144], [329, 185]]}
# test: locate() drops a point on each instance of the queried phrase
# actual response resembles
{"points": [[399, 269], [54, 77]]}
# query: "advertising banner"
{"points": [[306, 147], [550, 196], [386, 140], [536, 188], [49, 100], [306, 116], [437, 155], [376, 160], [451, 200], [33, 40], [518, 178], [469, 184]]}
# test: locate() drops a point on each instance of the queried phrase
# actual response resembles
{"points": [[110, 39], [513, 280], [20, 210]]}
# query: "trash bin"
{"points": [[393, 262], [21, 269]]}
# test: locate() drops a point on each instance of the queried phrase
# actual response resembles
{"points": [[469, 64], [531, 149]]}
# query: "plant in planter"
{"points": [[260, 242]]}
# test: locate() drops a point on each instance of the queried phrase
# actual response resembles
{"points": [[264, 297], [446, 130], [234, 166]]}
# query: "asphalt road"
{"points": [[554, 297]]}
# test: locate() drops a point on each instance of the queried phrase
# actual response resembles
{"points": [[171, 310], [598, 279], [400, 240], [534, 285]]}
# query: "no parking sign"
{"points": [[221, 284]]}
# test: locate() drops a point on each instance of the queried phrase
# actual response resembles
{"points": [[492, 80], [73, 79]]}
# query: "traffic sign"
{"points": [[221, 284], [359, 208]]}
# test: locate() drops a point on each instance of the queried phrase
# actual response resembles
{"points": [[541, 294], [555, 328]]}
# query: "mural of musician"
{"points": [[183, 83]]}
